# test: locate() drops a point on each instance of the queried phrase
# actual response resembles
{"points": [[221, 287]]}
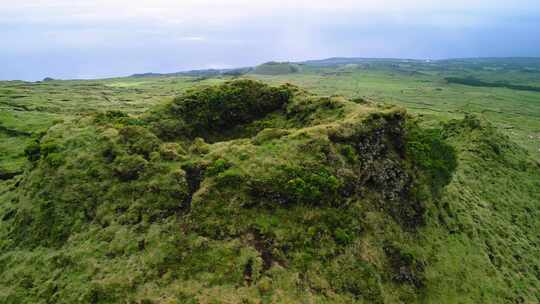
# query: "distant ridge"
{"points": [[199, 73], [523, 63]]}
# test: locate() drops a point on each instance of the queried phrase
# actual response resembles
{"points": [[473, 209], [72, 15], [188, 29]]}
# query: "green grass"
{"points": [[34, 107], [502, 84], [311, 199], [515, 113], [419, 87], [276, 68]]}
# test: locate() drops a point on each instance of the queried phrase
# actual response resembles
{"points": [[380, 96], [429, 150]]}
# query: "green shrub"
{"points": [[269, 134], [113, 116], [405, 267], [138, 140], [308, 186], [219, 107], [315, 186], [349, 153], [429, 151], [349, 274], [230, 178], [49, 147], [166, 192], [129, 167], [171, 151], [55, 159], [342, 236], [217, 167], [199, 146], [33, 151], [110, 151]]}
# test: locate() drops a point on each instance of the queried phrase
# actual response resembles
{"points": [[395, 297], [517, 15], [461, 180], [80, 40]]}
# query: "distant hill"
{"points": [[335, 61], [521, 64], [200, 73], [276, 68]]}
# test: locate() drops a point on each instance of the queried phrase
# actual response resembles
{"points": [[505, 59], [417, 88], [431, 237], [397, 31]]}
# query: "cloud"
{"points": [[192, 38], [107, 37], [220, 12]]}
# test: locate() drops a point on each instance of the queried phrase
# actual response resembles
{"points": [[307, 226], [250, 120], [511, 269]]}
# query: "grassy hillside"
{"points": [[423, 89], [303, 199], [27, 109], [348, 181], [419, 86], [276, 68]]}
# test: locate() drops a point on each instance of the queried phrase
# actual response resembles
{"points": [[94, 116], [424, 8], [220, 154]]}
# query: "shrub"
{"points": [[349, 153], [129, 167], [316, 186], [117, 118], [217, 167], [218, 107], [166, 192], [230, 178], [138, 140], [113, 116], [199, 146], [432, 155], [171, 151], [33, 151], [55, 159], [49, 147], [352, 275], [110, 151], [312, 186], [405, 267], [269, 134]]}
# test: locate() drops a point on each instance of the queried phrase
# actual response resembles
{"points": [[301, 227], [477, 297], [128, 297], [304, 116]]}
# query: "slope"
{"points": [[246, 193]]}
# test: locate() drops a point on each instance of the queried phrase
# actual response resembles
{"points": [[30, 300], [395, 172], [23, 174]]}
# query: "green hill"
{"points": [[276, 68], [247, 193]]}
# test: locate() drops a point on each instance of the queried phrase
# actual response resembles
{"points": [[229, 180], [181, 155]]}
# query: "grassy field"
{"points": [[247, 193], [420, 87], [516, 113]]}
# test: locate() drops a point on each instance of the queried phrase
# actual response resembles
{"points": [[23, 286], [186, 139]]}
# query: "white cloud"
{"points": [[192, 38], [104, 37], [292, 23], [219, 12]]}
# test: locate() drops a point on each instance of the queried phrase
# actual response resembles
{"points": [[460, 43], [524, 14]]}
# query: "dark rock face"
{"points": [[380, 144]]}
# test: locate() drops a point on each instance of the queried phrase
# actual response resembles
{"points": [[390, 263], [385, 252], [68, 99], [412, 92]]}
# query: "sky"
{"points": [[69, 39]]}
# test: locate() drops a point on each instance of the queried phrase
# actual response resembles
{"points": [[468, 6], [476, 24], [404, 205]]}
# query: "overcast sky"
{"points": [[104, 38]]}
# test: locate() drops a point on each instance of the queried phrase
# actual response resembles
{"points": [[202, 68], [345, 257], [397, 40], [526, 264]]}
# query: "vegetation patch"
{"points": [[302, 199], [202, 112], [432, 154], [470, 81], [276, 68]]}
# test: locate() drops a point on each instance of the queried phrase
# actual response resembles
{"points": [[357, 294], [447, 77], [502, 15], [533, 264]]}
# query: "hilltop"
{"points": [[277, 68], [243, 192], [516, 64]]}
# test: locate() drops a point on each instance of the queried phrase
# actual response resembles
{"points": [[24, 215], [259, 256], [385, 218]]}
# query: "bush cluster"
{"points": [[290, 184], [237, 102], [430, 152]]}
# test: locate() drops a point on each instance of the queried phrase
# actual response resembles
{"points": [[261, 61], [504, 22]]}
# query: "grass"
{"points": [[515, 113], [322, 199], [420, 88], [479, 83]]}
